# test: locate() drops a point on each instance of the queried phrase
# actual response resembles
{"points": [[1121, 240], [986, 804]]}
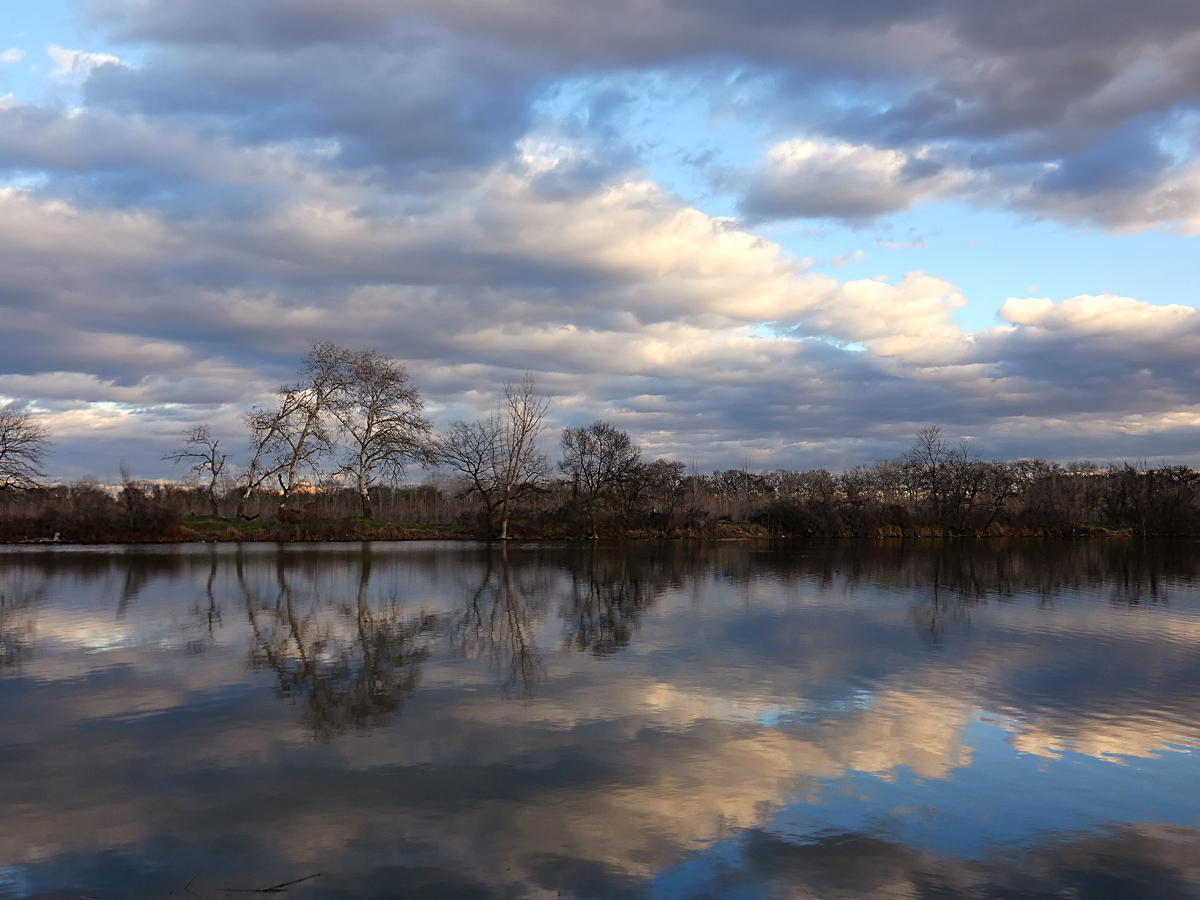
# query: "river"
{"points": [[847, 719]]}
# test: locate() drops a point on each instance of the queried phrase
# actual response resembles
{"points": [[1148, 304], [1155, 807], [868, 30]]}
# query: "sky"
{"points": [[754, 233]]}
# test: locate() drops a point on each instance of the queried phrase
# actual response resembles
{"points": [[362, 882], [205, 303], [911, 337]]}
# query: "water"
{"points": [[659, 720]]}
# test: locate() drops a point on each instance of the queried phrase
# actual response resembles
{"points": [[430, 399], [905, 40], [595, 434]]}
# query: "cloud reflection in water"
{"points": [[845, 719]]}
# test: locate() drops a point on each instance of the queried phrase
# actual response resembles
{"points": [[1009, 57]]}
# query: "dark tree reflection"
{"points": [[610, 591], [942, 611], [352, 663], [956, 576], [18, 627], [500, 619], [205, 620]]}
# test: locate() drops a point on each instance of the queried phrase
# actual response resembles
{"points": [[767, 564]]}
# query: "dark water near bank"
{"points": [[843, 720]]}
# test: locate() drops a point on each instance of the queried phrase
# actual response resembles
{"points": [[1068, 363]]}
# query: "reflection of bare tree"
{"points": [[18, 628], [956, 576], [137, 571], [1138, 579], [1000, 568], [499, 621], [609, 593], [208, 617], [943, 609], [352, 673]]}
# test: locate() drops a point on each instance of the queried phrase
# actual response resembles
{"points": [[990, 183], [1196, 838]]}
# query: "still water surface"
{"points": [[658, 720]]}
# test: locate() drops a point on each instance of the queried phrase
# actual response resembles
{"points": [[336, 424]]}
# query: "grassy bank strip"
{"points": [[208, 529]]}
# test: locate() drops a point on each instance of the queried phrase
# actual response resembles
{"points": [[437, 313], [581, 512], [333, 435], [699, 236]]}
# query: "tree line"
{"points": [[339, 440]]}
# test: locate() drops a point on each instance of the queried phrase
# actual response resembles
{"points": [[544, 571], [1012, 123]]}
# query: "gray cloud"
{"points": [[418, 100], [1052, 78], [807, 179]]}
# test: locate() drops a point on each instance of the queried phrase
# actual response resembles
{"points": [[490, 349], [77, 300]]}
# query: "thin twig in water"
{"points": [[188, 887], [273, 889]]}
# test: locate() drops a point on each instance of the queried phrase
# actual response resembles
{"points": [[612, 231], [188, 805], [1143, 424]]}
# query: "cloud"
{"points": [[409, 99], [917, 243], [1109, 316], [178, 239], [12, 55], [1168, 198], [846, 259], [78, 64], [619, 298], [859, 183], [895, 79]]}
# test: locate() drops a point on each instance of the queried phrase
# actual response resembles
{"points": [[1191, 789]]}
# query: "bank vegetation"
{"points": [[333, 458]]}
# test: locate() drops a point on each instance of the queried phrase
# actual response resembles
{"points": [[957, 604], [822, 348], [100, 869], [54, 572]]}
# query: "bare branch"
{"points": [[24, 443], [201, 449]]}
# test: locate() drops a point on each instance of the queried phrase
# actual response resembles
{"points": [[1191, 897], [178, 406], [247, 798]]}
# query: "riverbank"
{"points": [[213, 529], [210, 529]]}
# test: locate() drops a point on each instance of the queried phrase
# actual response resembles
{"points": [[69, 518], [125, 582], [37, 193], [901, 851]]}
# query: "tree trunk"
{"points": [[504, 516], [243, 499]]}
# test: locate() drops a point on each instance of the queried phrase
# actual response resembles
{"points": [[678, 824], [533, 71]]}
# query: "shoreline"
{"points": [[345, 532]]}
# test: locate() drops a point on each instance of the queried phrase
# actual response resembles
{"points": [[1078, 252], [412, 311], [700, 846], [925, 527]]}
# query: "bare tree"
{"points": [[306, 436], [652, 490], [966, 483], [598, 459], [24, 443], [499, 455], [201, 449], [928, 457], [378, 408], [289, 441], [472, 450], [265, 427], [1001, 485]]}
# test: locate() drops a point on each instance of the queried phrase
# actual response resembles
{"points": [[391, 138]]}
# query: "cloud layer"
{"points": [[384, 174]]}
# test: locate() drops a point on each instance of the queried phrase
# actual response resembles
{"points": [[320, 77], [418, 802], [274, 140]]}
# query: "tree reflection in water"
{"points": [[954, 577], [354, 663], [500, 619], [18, 627], [354, 659], [353, 673], [608, 596]]}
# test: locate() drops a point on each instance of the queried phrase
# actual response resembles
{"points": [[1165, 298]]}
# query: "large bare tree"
{"points": [[202, 451], [378, 411], [928, 459], [598, 459], [288, 441], [24, 443], [499, 455]]}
